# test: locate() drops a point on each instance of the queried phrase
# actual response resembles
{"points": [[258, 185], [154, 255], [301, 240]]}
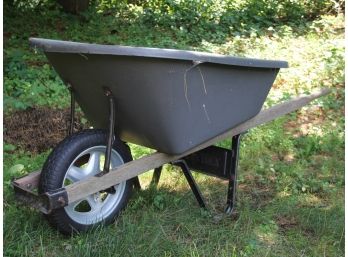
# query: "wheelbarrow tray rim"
{"points": [[49, 45]]}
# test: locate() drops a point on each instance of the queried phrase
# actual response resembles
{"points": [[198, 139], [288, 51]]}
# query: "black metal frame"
{"points": [[111, 136], [72, 110], [45, 202], [193, 185], [156, 176], [232, 182], [27, 196], [213, 161]]}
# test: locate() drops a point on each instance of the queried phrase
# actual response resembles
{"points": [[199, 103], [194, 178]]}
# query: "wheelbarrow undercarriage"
{"points": [[206, 158]]}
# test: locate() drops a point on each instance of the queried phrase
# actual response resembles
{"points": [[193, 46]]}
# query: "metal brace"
{"points": [[232, 184], [72, 109], [211, 161], [111, 136], [56, 199]]}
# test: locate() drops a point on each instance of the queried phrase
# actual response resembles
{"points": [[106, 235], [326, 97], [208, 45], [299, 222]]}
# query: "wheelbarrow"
{"points": [[180, 103]]}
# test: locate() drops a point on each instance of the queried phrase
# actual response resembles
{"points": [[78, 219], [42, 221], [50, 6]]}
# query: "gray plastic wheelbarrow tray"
{"points": [[168, 100]]}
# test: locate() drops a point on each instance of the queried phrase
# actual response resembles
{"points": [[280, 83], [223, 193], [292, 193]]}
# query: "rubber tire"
{"points": [[58, 162]]}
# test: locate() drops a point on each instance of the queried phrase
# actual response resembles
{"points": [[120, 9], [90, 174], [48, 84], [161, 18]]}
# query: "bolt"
{"points": [[61, 201], [107, 91]]}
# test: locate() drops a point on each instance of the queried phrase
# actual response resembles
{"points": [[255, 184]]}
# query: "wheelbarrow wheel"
{"points": [[77, 157]]}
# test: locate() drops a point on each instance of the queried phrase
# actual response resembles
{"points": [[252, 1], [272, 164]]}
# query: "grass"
{"points": [[291, 175], [283, 208]]}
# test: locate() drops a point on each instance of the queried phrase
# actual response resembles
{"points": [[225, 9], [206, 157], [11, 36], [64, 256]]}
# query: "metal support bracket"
{"points": [[72, 110], [156, 176], [111, 138], [26, 188], [56, 199], [218, 162], [232, 183], [111, 135], [25, 196], [193, 185]]}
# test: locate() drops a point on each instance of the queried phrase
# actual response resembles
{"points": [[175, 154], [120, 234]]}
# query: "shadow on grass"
{"points": [[168, 220]]}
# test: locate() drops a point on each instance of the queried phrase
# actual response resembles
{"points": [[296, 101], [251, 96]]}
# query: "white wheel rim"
{"points": [[101, 205]]}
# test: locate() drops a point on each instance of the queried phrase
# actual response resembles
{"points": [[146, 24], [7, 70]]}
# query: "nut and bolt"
{"points": [[61, 201]]}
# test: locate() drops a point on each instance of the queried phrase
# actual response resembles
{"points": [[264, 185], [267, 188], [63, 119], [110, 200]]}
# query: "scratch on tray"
{"points": [[195, 63], [205, 89], [84, 56], [206, 113]]}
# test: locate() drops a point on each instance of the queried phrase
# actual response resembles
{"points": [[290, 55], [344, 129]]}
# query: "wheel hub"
{"points": [[97, 206]]}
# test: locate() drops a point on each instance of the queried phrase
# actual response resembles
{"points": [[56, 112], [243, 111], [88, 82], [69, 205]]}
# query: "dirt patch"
{"points": [[38, 129], [260, 193], [286, 223], [306, 121]]}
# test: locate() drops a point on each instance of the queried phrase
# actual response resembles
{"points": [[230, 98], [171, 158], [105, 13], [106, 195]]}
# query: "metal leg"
{"points": [[156, 176], [232, 185], [136, 183], [186, 170], [108, 93], [72, 110]]}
